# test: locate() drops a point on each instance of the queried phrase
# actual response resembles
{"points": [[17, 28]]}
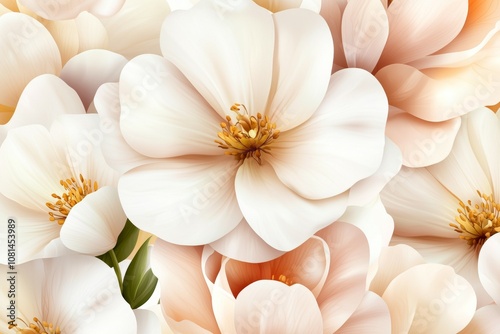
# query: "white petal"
{"points": [[430, 298], [365, 29], [117, 152], [299, 82], [225, 49], [135, 29], [162, 115], [32, 51], [147, 321], [485, 321], [187, 201], [91, 33], [362, 192], [31, 167], [88, 70], [243, 244], [69, 9], [185, 296], [93, 225], [372, 316], [65, 34], [488, 267], [273, 307], [282, 218], [342, 143]]}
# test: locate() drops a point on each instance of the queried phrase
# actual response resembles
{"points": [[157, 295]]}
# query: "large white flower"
{"points": [[449, 211], [73, 294], [295, 139], [57, 184]]}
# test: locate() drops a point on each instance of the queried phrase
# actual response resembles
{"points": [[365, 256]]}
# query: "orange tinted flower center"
{"points": [[36, 327]]}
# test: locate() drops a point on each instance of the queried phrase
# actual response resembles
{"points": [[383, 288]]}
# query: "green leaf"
{"points": [[139, 281], [124, 245]]}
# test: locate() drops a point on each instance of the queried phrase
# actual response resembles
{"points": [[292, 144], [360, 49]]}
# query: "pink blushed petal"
{"points": [[93, 225], [372, 316], [344, 138], [189, 200], [424, 27], [345, 284], [184, 294], [281, 217], [488, 267], [332, 12], [162, 115], [485, 321], [300, 82], [243, 244], [225, 49], [32, 52], [88, 70], [273, 307], [430, 298], [69, 9], [422, 143], [365, 28]]}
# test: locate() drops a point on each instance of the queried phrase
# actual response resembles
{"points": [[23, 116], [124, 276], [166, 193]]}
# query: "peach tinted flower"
{"points": [[315, 288], [449, 211], [436, 62]]}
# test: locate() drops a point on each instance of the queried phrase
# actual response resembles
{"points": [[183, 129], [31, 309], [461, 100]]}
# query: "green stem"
{"points": [[116, 266]]}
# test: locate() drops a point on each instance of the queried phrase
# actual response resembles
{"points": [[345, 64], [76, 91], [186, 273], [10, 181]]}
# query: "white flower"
{"points": [[228, 77], [57, 184], [449, 211], [70, 294]]}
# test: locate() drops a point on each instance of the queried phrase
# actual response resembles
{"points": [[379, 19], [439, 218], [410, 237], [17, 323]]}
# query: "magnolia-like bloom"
{"points": [[436, 62], [450, 211], [319, 287], [422, 297], [228, 128], [74, 294], [57, 188], [70, 9]]}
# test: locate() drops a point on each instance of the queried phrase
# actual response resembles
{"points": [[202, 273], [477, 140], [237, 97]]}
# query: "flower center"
{"points": [[36, 327], [478, 222], [283, 279], [76, 190], [248, 137]]}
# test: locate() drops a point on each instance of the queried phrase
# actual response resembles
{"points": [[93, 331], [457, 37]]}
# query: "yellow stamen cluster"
{"points": [[76, 190], [36, 327], [282, 279], [248, 137], [477, 222]]}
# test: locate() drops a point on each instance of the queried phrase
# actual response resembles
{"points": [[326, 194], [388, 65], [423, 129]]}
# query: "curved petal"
{"points": [[65, 34], [274, 307], [300, 82], [31, 167], [147, 321], [488, 268], [184, 294], [393, 261], [90, 69], [345, 284], [91, 33], [117, 152], [69, 9], [422, 143], [423, 27], [33, 231], [32, 51], [243, 244], [430, 298], [189, 201], [365, 29], [342, 143], [363, 191], [372, 316], [332, 12], [281, 217], [135, 29], [482, 321], [225, 49], [93, 225], [162, 115]]}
